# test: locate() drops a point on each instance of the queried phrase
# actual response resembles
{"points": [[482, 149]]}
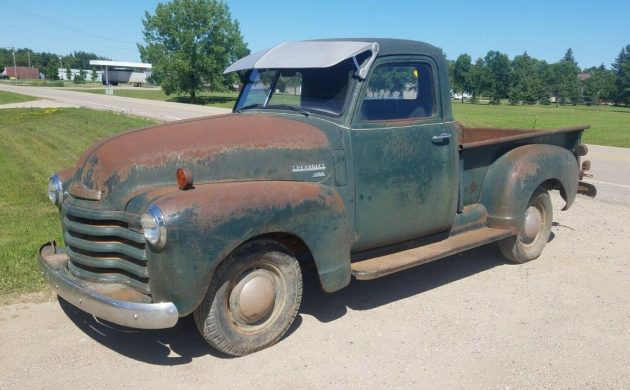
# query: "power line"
{"points": [[54, 36], [28, 13]]}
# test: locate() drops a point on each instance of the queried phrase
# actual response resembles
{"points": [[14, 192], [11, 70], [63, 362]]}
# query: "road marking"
{"points": [[608, 183]]}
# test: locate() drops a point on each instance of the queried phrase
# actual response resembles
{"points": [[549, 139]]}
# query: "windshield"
{"points": [[323, 90]]}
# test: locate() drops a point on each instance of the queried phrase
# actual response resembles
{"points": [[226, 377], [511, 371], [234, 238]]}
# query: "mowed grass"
{"points": [[215, 99], [36, 143], [10, 97], [609, 125]]}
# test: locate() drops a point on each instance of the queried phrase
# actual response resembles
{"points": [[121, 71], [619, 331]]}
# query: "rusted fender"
{"points": [[512, 179], [208, 222]]}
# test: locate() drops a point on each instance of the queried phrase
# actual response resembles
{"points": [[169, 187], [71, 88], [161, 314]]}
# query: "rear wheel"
{"points": [[252, 300], [534, 233]]}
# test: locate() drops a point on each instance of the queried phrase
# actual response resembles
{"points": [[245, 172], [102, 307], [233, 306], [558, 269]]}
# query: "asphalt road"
{"points": [[154, 109], [466, 321]]}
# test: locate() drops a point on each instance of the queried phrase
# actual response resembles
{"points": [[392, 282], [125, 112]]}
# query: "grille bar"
{"points": [[112, 215], [108, 262], [105, 246], [110, 277], [104, 230]]}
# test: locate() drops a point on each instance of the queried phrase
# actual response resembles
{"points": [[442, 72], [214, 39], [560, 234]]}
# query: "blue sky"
{"points": [[596, 30]]}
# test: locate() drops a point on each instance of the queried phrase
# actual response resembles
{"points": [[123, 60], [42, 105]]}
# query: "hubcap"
{"points": [[533, 224], [253, 297]]}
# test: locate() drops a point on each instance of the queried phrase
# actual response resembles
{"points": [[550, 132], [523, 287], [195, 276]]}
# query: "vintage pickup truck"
{"points": [[342, 153]]}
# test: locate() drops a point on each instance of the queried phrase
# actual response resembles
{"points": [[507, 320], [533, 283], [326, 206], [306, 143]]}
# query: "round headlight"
{"points": [[55, 190], [153, 226]]}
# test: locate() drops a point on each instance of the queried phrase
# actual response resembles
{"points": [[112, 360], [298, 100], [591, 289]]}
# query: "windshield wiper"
{"points": [[294, 108], [247, 107]]}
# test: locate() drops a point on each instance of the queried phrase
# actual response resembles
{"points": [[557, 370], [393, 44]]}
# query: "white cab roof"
{"points": [[303, 54]]}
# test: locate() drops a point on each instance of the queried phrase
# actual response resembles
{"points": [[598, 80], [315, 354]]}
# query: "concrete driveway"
{"points": [[467, 321], [153, 109]]}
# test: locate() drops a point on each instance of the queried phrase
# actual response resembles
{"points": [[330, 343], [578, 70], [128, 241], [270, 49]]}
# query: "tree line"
{"points": [[527, 80], [49, 63]]}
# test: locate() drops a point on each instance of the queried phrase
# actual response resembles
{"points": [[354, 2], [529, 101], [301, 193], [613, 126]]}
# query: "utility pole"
{"points": [[28, 76], [14, 66]]}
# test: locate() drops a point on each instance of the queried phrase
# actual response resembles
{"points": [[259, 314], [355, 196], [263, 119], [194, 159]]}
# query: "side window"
{"points": [[399, 91]]}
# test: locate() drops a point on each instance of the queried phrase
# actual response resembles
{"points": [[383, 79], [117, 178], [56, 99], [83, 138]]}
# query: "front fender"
{"points": [[512, 179], [208, 222]]}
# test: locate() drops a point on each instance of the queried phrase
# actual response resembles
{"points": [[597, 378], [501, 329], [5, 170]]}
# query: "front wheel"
{"points": [[252, 300], [534, 233]]}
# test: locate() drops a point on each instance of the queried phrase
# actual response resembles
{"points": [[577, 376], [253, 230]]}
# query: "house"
{"points": [[23, 72]]}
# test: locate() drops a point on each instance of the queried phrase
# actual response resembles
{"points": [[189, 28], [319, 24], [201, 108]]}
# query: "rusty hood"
{"points": [[232, 147]]}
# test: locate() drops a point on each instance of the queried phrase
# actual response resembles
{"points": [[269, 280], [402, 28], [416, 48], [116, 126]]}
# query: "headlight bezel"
{"points": [[153, 226], [55, 190]]}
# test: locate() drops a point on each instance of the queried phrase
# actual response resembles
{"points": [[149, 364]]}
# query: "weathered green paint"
{"points": [[513, 178], [206, 224], [385, 182]]}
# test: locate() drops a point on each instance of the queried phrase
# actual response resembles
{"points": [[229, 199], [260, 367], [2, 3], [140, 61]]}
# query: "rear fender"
{"points": [[205, 224], [512, 179]]}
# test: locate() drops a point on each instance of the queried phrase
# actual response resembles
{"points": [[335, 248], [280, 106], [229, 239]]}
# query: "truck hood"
{"points": [[232, 147]]}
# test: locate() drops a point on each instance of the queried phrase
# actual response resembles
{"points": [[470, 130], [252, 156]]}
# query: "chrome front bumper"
{"points": [[53, 264]]}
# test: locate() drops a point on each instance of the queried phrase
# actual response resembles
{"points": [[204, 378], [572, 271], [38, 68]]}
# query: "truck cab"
{"points": [[341, 152]]}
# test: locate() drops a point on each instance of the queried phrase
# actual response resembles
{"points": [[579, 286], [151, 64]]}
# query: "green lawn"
{"points": [[36, 143], [216, 99], [10, 97], [609, 125]]}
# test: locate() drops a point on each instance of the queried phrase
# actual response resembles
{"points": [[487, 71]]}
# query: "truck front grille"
{"points": [[105, 246]]}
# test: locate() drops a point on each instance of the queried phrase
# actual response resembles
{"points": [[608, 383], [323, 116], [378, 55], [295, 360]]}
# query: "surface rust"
{"points": [[195, 140], [476, 137]]}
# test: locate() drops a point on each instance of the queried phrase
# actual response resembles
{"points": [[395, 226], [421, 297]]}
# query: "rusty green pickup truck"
{"points": [[342, 153]]}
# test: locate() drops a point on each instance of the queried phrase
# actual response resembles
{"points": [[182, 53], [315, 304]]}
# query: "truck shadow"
{"points": [[181, 344], [369, 294]]}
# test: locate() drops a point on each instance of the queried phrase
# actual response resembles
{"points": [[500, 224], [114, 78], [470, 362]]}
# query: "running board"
{"points": [[384, 265]]}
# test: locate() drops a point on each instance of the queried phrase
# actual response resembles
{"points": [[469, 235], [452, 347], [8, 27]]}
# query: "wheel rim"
{"points": [[532, 224], [257, 298]]}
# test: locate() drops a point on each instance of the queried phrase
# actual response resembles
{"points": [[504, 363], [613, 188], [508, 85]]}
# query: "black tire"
{"points": [[219, 317], [520, 248]]}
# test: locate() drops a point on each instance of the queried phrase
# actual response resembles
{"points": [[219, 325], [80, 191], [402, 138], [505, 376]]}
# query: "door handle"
{"points": [[441, 138]]}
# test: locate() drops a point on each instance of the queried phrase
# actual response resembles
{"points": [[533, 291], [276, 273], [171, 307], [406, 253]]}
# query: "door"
{"points": [[405, 158]]}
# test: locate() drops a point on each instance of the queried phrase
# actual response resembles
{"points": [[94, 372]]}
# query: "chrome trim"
{"points": [[155, 212], [58, 187], [132, 314]]}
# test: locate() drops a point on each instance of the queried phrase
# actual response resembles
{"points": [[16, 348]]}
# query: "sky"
{"points": [[595, 30]]}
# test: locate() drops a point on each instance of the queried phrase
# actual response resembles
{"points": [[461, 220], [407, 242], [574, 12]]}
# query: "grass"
{"points": [[36, 143], [35, 83], [216, 99], [609, 125], [10, 97]]}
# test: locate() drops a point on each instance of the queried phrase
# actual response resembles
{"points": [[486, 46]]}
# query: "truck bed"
{"points": [[480, 147], [473, 137]]}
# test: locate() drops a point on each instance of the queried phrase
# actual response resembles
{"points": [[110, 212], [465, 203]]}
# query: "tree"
{"points": [[80, 78], [94, 75], [190, 43], [563, 80], [51, 70], [570, 70], [526, 84], [621, 68], [68, 72], [599, 86], [569, 57], [498, 67], [478, 80], [462, 72], [544, 71]]}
